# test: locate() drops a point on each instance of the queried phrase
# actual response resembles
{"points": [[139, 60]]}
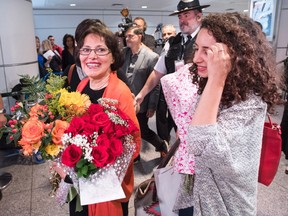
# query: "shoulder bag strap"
{"points": [[82, 84], [170, 153]]}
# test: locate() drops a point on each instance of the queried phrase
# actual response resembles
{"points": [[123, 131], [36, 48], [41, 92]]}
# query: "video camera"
{"points": [[127, 22]]}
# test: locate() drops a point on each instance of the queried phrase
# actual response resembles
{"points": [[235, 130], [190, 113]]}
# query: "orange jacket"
{"points": [[118, 90]]}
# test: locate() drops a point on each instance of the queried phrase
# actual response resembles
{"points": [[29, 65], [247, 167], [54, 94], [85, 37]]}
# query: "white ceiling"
{"points": [[157, 5]]}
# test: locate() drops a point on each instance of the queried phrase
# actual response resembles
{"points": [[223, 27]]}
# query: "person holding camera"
{"points": [[147, 39], [138, 64]]}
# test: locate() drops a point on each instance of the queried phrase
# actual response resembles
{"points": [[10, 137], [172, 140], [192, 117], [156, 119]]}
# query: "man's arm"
{"points": [[150, 84]]}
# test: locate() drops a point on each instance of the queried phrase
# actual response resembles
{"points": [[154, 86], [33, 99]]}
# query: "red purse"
{"points": [[270, 152]]}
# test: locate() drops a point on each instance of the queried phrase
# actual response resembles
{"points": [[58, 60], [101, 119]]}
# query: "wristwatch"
{"points": [[2, 111]]}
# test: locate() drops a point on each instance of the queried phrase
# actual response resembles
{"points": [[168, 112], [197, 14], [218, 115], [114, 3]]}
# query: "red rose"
{"points": [[89, 130], [100, 156], [71, 155], [95, 108], [101, 119], [120, 130], [76, 126], [103, 141], [112, 158], [116, 146]]}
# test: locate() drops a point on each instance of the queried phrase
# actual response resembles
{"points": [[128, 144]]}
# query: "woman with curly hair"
{"points": [[235, 71]]}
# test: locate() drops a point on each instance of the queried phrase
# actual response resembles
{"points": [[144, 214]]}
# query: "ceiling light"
{"points": [[117, 5], [72, 5], [144, 7], [245, 11]]}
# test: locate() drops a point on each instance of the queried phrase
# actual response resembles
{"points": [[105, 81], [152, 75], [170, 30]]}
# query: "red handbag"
{"points": [[270, 152]]}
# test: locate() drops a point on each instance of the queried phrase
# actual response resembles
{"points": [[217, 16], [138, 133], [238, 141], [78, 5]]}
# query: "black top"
{"points": [[94, 95], [67, 59], [75, 80]]}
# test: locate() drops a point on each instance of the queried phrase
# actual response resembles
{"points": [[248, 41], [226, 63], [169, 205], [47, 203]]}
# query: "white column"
{"points": [[17, 44]]}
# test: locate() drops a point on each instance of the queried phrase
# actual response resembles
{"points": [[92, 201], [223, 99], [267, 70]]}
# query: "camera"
{"points": [[127, 22], [125, 25]]}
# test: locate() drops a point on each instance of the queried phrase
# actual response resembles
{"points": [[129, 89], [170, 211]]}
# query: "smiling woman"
{"points": [[98, 54]]}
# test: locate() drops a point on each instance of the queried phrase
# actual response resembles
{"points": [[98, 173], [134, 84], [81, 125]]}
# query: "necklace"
{"points": [[101, 84]]}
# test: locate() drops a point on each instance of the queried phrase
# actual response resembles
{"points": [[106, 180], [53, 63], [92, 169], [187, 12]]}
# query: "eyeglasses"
{"points": [[98, 51], [130, 36]]}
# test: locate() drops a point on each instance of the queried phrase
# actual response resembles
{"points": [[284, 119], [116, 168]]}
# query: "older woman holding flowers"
{"points": [[99, 56]]}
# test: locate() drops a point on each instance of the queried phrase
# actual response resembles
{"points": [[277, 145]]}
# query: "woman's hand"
{"points": [[59, 169], [218, 64]]}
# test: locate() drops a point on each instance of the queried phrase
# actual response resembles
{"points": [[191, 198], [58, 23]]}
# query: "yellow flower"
{"points": [[53, 150], [74, 103], [73, 98]]}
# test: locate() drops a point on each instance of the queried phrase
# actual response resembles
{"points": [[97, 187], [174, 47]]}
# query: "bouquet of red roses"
{"points": [[97, 141]]}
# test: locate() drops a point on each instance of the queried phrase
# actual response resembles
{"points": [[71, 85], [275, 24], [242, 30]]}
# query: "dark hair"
{"points": [[136, 30], [66, 36], [259, 24], [145, 24], [49, 36], [252, 59], [95, 26]]}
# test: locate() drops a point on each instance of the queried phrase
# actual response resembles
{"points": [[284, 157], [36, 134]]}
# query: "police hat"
{"points": [[186, 5]]}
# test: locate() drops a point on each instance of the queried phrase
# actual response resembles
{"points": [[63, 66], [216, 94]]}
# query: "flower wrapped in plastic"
{"points": [[98, 148]]}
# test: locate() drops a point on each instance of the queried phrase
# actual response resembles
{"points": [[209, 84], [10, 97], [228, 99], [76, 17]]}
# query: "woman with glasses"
{"points": [[98, 54]]}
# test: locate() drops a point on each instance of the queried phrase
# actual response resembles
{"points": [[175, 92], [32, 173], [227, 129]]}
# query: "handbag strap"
{"points": [[273, 125], [269, 119], [170, 153]]}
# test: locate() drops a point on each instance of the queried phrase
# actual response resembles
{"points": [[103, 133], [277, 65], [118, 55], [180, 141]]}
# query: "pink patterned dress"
{"points": [[181, 97]]}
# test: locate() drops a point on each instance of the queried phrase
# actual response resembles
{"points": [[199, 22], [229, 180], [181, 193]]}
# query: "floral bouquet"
{"points": [[39, 128], [98, 147]]}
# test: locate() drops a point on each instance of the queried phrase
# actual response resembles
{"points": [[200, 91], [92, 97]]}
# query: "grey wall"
{"points": [[60, 22]]}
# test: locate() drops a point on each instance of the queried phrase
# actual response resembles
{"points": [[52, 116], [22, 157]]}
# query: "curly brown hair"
{"points": [[253, 62]]}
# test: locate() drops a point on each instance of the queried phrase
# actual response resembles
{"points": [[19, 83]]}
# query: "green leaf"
{"points": [[84, 171], [81, 163], [92, 167], [34, 87], [2, 130], [17, 136], [79, 173]]}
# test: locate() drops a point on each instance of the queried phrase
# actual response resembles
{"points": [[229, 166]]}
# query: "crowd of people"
{"points": [[212, 83]]}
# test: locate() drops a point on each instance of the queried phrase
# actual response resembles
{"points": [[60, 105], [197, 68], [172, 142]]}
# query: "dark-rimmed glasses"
{"points": [[98, 51]]}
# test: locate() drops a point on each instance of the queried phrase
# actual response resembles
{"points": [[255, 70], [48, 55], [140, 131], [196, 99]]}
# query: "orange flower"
{"points": [[35, 110], [32, 132], [58, 131]]}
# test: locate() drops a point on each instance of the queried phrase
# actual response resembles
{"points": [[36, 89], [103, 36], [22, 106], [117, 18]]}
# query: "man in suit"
{"points": [[147, 39], [176, 53], [138, 64]]}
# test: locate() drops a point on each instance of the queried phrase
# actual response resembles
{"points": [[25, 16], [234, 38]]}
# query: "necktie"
{"points": [[188, 39]]}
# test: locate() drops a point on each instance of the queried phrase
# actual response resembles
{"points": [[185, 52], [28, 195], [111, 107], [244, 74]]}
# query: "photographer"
{"points": [[148, 40]]}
